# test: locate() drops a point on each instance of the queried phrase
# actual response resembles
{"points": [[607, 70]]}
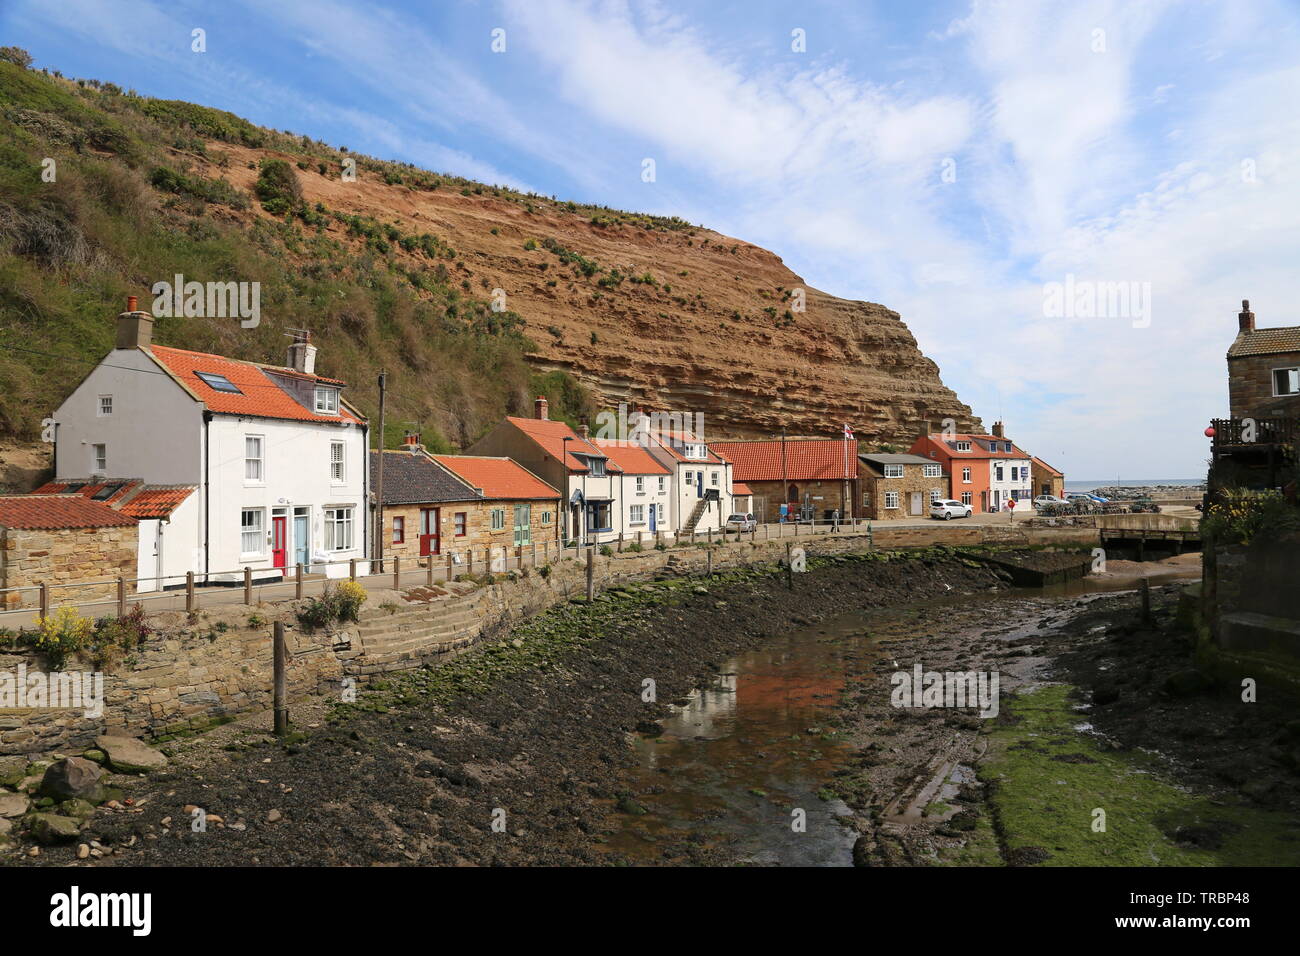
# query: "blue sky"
{"points": [[949, 160]]}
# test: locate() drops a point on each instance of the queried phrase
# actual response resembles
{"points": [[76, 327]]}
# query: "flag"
{"points": [[848, 433]]}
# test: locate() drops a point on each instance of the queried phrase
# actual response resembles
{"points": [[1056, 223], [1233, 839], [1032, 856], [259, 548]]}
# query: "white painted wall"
{"points": [[1004, 487], [687, 497], [649, 496], [176, 541], [604, 487], [155, 431]]}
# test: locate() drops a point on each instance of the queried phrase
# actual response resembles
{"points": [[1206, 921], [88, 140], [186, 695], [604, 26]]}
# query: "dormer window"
{"points": [[695, 450], [963, 446], [597, 466], [327, 400]]}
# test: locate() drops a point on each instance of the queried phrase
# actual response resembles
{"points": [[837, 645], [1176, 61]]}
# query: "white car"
{"points": [[741, 522], [1049, 500], [946, 510]]}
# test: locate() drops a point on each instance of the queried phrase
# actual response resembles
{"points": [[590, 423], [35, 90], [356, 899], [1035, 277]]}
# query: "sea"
{"points": [[1129, 483]]}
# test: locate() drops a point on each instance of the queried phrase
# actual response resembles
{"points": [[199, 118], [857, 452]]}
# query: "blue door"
{"points": [[652, 517], [301, 542], [699, 484]]}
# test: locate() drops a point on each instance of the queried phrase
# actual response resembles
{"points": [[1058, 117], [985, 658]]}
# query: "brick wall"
{"points": [[68, 555], [1250, 380]]}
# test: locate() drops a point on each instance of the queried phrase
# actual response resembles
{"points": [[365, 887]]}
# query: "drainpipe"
{"points": [[207, 493]]}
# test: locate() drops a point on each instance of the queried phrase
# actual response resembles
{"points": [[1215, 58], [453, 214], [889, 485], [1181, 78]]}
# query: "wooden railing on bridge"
{"points": [[1255, 431]]}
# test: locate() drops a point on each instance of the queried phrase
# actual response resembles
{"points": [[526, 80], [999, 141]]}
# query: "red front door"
{"points": [[429, 532], [279, 552]]}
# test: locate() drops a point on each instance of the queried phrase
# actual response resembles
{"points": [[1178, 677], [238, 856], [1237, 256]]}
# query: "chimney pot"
{"points": [[302, 354], [999, 431], [134, 328], [541, 408], [584, 431], [1245, 318], [132, 303]]}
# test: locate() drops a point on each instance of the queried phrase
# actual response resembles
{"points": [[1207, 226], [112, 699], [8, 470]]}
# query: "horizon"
{"points": [[889, 161]]}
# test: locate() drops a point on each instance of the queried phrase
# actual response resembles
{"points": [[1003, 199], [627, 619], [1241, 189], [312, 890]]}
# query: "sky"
{"points": [[1065, 201]]}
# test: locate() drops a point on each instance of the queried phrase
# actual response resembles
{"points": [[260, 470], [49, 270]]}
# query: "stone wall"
{"points": [[194, 671], [875, 490], [479, 533], [1250, 380], [65, 556]]}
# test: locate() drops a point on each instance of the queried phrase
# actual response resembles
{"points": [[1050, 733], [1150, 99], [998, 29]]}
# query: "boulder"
{"points": [[50, 828], [128, 755], [12, 771], [73, 777], [12, 804]]}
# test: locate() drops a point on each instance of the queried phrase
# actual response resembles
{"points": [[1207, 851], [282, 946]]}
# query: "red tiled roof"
{"points": [[711, 458], [740, 488], [157, 502], [550, 435], [815, 459], [497, 477], [89, 487], [1042, 464], [945, 443], [57, 512], [260, 396], [631, 457]]}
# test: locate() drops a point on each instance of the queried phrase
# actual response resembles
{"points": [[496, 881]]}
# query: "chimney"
{"points": [[1245, 318], [998, 430], [302, 354], [134, 328], [583, 431], [411, 440], [541, 408]]}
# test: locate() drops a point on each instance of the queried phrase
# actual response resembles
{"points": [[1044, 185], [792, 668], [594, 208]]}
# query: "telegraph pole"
{"points": [[379, 473]]}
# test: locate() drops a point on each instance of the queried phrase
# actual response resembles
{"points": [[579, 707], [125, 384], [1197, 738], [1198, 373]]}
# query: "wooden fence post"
{"points": [[1146, 600], [451, 565], [397, 573], [189, 592], [708, 570], [297, 582], [352, 569], [280, 684], [45, 600], [789, 568], [121, 596], [428, 572], [591, 574], [248, 585]]}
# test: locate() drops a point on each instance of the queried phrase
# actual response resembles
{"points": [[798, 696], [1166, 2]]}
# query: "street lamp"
{"points": [[564, 463]]}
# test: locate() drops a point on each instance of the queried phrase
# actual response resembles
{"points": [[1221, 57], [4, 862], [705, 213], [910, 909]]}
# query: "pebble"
{"points": [[274, 816], [83, 851]]}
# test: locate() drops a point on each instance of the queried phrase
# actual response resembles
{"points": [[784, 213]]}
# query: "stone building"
{"points": [[898, 486], [1263, 369], [64, 539], [1047, 480], [435, 505], [809, 476]]}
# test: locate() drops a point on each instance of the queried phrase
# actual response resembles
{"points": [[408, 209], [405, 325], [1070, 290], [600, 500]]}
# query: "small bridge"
{"points": [[1142, 540]]}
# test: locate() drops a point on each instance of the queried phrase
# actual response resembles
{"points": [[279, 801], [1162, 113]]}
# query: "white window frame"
{"points": [[640, 485], [498, 519], [963, 446], [338, 465], [339, 519], [636, 514], [546, 517], [326, 400], [965, 476], [104, 407], [891, 500], [695, 450], [931, 471], [966, 497], [893, 471], [257, 529], [99, 458], [1273, 380], [597, 467], [713, 478], [259, 459], [662, 484], [935, 495]]}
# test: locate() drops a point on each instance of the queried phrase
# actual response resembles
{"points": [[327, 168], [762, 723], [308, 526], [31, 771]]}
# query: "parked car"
{"points": [[1048, 500], [1080, 496], [946, 510], [741, 522]]}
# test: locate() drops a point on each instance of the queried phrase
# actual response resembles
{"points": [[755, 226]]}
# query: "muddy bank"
{"points": [[530, 733]]}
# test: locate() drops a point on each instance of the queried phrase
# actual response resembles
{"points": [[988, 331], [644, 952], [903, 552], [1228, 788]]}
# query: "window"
{"points": [[695, 450], [252, 532], [99, 459], [965, 476], [523, 524], [965, 497], [598, 516], [103, 494], [459, 521], [399, 530], [1006, 447], [934, 495], [640, 486], [218, 383], [327, 401], [891, 499], [932, 471], [498, 518], [105, 405], [963, 446], [713, 479], [893, 471], [597, 466], [338, 529], [662, 485], [546, 517], [689, 476], [338, 473], [997, 473], [1286, 381], [866, 499], [253, 458], [636, 514]]}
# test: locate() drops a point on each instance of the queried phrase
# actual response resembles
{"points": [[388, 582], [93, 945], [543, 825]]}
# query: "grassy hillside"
{"points": [[128, 208]]}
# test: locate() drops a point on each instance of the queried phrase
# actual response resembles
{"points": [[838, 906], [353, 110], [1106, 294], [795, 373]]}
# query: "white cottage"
{"points": [[701, 481], [275, 454]]}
